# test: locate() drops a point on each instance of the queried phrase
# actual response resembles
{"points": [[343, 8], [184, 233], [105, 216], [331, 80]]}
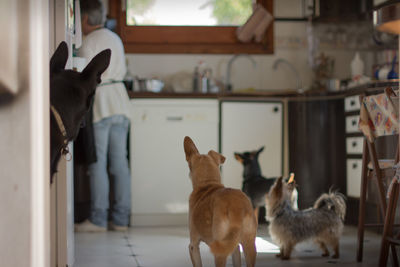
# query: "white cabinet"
{"points": [[352, 103], [160, 180], [354, 146], [247, 126], [352, 124], [353, 173]]}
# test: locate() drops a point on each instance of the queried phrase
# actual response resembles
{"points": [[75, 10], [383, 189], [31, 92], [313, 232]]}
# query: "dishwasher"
{"points": [[160, 175]]}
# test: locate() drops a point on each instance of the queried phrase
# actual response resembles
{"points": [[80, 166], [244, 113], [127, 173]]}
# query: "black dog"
{"points": [[254, 185], [71, 96]]}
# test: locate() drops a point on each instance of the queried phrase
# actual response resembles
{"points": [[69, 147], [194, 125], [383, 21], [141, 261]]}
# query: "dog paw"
{"points": [[278, 255], [285, 257]]}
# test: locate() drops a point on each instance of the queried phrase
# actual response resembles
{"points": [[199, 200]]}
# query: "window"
{"points": [[187, 12], [144, 29]]}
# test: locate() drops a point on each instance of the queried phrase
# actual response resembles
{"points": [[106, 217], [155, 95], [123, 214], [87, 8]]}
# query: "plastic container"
{"points": [[357, 66], [392, 73]]}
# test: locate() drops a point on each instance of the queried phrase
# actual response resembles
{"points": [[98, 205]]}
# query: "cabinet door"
{"points": [[353, 173], [160, 174], [247, 126]]}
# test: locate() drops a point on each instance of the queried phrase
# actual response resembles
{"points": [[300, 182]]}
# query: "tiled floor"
{"points": [[168, 247]]}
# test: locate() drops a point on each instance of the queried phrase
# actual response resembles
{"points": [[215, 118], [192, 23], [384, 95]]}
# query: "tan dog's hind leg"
{"points": [[220, 260], [236, 257], [250, 252], [194, 252], [256, 212]]}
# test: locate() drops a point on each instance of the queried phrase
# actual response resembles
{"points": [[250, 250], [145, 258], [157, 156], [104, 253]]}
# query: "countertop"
{"points": [[372, 87]]}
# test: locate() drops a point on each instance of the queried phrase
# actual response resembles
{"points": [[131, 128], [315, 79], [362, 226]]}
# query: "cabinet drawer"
{"points": [[352, 103], [354, 145], [352, 124], [353, 174]]}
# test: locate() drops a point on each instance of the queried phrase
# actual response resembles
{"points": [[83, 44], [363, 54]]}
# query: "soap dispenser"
{"points": [[357, 66]]}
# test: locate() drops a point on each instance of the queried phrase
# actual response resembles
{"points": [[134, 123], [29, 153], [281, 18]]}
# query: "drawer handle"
{"points": [[354, 144], [174, 118], [352, 103], [354, 165], [353, 122], [276, 109]]}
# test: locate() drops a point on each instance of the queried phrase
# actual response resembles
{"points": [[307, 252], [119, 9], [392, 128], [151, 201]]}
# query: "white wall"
{"points": [[24, 135]]}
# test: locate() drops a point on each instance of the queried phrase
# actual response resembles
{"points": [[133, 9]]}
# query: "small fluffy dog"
{"points": [[323, 222], [221, 217]]}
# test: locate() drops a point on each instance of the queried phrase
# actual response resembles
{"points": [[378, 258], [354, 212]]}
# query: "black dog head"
{"points": [[72, 92], [250, 163], [71, 95]]}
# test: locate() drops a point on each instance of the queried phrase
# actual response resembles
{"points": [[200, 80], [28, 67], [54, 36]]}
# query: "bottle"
{"points": [[196, 76], [205, 81], [357, 67], [128, 79]]}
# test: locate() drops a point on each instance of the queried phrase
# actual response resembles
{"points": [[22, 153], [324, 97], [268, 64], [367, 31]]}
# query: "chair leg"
{"points": [[388, 226], [363, 198], [395, 260], [379, 179]]}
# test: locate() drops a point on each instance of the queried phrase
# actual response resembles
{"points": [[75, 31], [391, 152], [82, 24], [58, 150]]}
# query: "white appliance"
{"points": [[247, 126], [160, 175]]}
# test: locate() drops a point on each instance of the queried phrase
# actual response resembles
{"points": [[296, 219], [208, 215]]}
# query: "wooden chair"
{"points": [[389, 239], [373, 168]]}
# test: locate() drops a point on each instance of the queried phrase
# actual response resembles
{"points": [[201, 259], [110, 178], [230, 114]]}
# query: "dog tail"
{"points": [[333, 201]]}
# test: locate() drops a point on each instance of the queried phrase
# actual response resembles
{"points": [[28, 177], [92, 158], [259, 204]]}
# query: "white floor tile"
{"points": [[168, 247]]}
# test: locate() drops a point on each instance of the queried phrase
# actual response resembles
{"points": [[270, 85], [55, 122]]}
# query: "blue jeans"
{"points": [[111, 148]]}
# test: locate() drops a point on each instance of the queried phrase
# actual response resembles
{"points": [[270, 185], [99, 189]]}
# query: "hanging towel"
{"points": [[255, 26]]}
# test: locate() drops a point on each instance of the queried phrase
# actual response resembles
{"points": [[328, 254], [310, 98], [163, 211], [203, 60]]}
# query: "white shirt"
{"points": [[110, 99]]}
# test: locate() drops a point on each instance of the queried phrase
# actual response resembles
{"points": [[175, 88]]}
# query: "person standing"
{"points": [[110, 125]]}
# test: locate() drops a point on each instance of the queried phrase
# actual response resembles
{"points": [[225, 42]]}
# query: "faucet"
{"points": [[290, 65], [229, 68]]}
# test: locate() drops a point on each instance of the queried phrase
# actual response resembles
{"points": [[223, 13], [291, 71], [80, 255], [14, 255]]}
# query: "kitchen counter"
{"points": [[292, 95], [250, 94]]}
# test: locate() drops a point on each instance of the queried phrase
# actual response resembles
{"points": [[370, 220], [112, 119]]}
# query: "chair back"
{"points": [[379, 114]]}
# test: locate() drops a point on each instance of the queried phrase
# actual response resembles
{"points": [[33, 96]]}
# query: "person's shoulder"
{"points": [[103, 34]]}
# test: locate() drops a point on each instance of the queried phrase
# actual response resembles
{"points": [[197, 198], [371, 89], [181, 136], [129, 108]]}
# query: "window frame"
{"points": [[187, 39]]}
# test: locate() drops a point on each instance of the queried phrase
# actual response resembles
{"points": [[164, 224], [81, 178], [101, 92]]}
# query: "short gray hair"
{"points": [[95, 11]]}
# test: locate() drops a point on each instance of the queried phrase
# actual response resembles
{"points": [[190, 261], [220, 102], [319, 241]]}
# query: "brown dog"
{"points": [[221, 217]]}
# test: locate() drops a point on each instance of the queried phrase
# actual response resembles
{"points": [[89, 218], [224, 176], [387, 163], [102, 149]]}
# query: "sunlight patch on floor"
{"points": [[264, 246]]}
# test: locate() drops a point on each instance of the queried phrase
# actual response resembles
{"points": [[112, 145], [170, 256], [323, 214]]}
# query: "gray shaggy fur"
{"points": [[323, 222]]}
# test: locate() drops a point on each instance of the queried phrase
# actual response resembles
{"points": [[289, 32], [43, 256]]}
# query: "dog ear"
{"points": [[277, 189], [218, 158], [238, 157], [260, 150], [59, 58], [98, 65], [189, 147], [279, 184]]}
